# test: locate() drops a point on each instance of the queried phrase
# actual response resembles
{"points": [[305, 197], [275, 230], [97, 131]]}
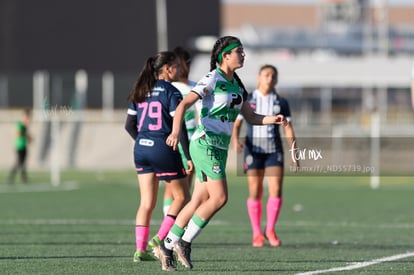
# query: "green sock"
{"points": [[195, 225]]}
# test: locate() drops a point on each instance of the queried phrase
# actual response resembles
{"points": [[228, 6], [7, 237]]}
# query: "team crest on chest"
{"points": [[276, 109]]}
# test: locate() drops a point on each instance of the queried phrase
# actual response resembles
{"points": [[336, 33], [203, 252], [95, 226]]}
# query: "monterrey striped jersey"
{"points": [[266, 139]]}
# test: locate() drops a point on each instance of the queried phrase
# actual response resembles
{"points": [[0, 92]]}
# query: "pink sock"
{"points": [[254, 208], [141, 237], [274, 205], [165, 227]]}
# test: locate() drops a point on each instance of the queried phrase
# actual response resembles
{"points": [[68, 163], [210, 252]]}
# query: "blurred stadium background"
{"points": [[346, 67]]}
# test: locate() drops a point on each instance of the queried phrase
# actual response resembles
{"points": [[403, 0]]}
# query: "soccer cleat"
{"points": [[167, 259], [142, 256], [273, 239], [154, 244], [258, 240], [183, 250]]}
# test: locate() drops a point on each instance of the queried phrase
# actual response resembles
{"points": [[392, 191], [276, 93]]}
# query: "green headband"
{"points": [[227, 49]]}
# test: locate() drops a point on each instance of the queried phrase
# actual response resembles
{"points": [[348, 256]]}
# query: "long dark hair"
{"points": [[185, 61], [149, 75], [220, 44]]}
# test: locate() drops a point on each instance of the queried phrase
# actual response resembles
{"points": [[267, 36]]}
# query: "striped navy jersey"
{"points": [[266, 139], [155, 114]]}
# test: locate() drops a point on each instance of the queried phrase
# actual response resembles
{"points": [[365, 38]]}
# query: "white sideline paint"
{"points": [[83, 222], [213, 222], [360, 265], [347, 224], [39, 187]]}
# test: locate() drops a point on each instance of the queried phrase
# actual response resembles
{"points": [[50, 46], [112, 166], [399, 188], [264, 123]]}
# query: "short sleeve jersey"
{"points": [[221, 101], [265, 139], [155, 114]]}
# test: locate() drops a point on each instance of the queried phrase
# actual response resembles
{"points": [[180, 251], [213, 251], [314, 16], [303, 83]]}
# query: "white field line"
{"points": [[65, 186], [361, 265], [83, 222], [213, 222], [348, 224]]}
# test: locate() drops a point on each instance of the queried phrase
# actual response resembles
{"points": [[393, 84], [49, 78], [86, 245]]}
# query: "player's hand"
{"points": [[280, 119], [172, 140], [238, 146], [190, 167]]}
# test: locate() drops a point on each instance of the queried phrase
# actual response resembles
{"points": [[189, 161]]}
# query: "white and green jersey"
{"points": [[221, 101]]}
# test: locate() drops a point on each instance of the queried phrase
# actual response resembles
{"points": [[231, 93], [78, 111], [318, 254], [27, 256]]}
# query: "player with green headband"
{"points": [[223, 97]]}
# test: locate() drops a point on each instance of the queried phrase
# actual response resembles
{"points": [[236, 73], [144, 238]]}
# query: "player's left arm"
{"points": [[254, 118], [288, 128]]}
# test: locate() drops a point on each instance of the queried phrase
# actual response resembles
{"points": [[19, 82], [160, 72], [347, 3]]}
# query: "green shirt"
{"points": [[21, 140]]}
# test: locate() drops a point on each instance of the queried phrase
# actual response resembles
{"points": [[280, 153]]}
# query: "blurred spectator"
{"points": [[21, 142]]}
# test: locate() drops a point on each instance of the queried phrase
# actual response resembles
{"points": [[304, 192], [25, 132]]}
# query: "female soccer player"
{"points": [[222, 97], [184, 85], [263, 155], [153, 101]]}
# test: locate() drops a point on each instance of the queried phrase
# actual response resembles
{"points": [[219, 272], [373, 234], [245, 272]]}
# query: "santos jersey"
{"points": [[155, 114], [266, 139], [221, 101]]}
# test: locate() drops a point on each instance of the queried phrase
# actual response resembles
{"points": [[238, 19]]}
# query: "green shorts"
{"points": [[209, 161], [183, 158]]}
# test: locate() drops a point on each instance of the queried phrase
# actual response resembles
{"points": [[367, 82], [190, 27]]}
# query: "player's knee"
{"points": [[220, 201], [182, 197], [147, 206]]}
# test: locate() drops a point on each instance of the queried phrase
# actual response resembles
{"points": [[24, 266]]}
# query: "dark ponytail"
{"points": [[149, 75]]}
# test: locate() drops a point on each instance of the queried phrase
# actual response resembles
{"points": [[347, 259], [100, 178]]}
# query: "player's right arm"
{"points": [[187, 102]]}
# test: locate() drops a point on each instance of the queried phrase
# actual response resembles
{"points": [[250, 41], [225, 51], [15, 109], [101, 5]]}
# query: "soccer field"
{"points": [[327, 225]]}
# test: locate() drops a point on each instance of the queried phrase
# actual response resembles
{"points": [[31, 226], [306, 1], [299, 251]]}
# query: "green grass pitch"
{"points": [[86, 226]]}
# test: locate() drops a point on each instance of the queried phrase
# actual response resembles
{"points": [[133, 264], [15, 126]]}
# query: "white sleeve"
{"points": [[205, 85]]}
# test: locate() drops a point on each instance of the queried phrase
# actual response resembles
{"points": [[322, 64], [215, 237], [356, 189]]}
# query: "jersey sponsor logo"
{"points": [[223, 87], [146, 142], [236, 99]]}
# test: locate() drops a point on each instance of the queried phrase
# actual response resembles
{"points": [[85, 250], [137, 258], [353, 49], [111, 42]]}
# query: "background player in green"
{"points": [[21, 142], [222, 97]]}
